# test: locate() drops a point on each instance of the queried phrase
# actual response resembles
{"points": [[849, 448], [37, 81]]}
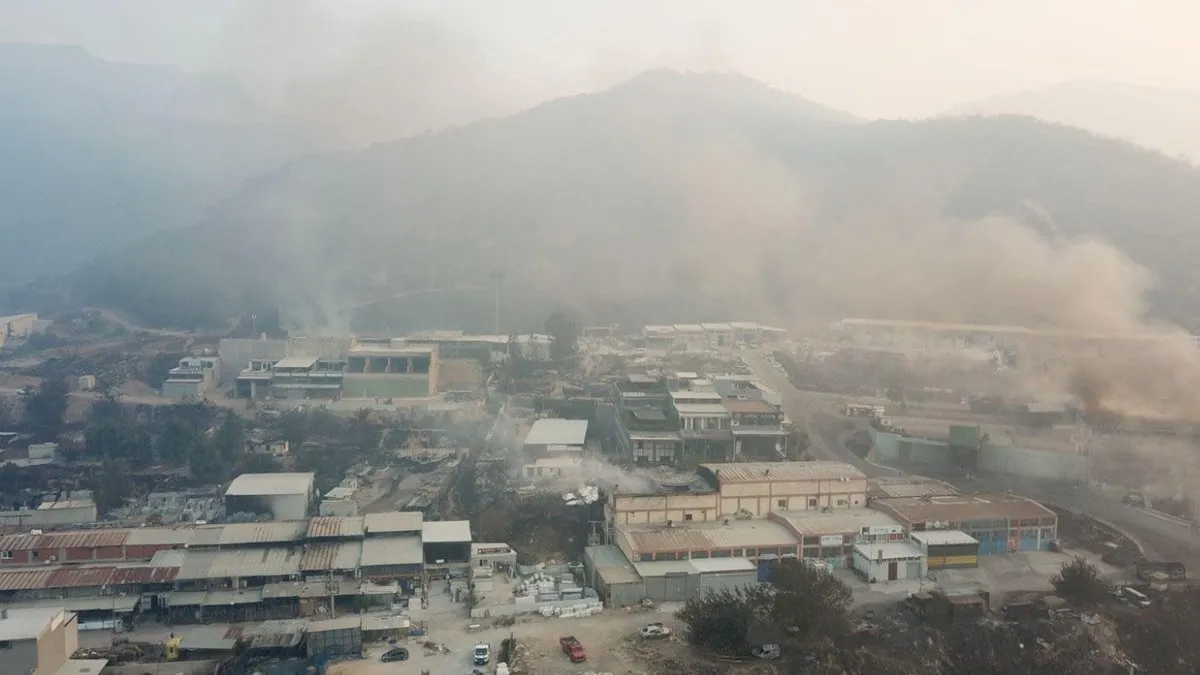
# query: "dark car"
{"points": [[397, 654]]}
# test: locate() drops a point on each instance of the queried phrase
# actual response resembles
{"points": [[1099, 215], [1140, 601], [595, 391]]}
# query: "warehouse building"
{"points": [[398, 558], [387, 368], [892, 561], [37, 639], [286, 496], [447, 547], [1001, 523], [754, 489], [945, 549], [831, 536], [676, 581], [556, 437], [758, 540]]}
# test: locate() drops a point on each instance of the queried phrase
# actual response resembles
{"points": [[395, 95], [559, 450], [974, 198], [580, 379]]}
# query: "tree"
{"points": [[45, 408], [801, 605], [112, 484], [1079, 580], [230, 440], [723, 620], [565, 327], [810, 603], [156, 369]]}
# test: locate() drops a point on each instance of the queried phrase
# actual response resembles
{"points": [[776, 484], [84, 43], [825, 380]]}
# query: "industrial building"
{"points": [[37, 639], [388, 368], [551, 437], [18, 327], [447, 547], [286, 496], [946, 549], [75, 508], [890, 561], [754, 489], [831, 537], [194, 377], [704, 423], [304, 377], [752, 539], [620, 583], [741, 490], [235, 572], [1000, 523]]}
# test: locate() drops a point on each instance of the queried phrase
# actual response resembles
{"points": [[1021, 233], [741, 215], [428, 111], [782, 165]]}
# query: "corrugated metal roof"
{"points": [[195, 565], [276, 532], [761, 472], [393, 521], [845, 521], [26, 579], [557, 432], [161, 536], [738, 534], [944, 538], [207, 536], [267, 562], [169, 558], [964, 507], [612, 565], [446, 531], [335, 526], [909, 487], [83, 577], [392, 551], [256, 484], [280, 633], [340, 623], [58, 540], [664, 568], [334, 555]]}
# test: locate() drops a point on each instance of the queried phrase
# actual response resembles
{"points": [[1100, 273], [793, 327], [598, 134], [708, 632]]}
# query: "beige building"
{"points": [[744, 490], [754, 489], [39, 639]]}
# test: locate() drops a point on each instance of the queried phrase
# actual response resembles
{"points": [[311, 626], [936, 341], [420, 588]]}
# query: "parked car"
{"points": [[483, 653], [573, 649], [654, 631], [395, 654], [768, 652]]}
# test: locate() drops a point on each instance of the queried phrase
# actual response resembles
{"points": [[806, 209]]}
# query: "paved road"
{"points": [[1162, 537]]}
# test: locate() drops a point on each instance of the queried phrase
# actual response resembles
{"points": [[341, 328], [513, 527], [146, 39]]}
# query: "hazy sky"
{"points": [[868, 57]]}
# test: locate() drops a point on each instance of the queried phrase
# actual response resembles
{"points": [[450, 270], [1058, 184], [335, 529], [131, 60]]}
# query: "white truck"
{"points": [[483, 654]]}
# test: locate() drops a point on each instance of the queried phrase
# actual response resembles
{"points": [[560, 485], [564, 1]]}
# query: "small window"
{"points": [[687, 516], [5, 644], [812, 503], [841, 502], [5, 555], [646, 557], [34, 555], [782, 503]]}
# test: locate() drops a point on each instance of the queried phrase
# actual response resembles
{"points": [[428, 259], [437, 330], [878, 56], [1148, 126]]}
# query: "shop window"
{"points": [[687, 516]]}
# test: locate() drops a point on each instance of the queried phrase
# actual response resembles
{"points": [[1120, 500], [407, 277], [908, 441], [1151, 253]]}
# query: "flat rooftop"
{"points": [[885, 488], [259, 484], [392, 522], [748, 406], [843, 521], [960, 508], [26, 623], [892, 550], [943, 538], [446, 532], [557, 432], [296, 362], [764, 472], [394, 347], [706, 536]]}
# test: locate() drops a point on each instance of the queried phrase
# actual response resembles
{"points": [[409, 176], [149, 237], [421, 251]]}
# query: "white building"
{"points": [[889, 561], [286, 496], [552, 467], [37, 640], [556, 436]]}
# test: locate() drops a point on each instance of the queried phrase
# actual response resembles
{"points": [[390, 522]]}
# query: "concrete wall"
{"points": [[22, 658], [57, 643], [1065, 466], [892, 447], [659, 508]]}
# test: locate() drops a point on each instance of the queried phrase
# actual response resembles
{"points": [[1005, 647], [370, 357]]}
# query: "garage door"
{"points": [[676, 587], [913, 571], [656, 588]]}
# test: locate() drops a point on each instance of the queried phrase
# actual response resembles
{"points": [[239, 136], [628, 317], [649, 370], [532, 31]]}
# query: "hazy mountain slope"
{"points": [[94, 155], [680, 197], [1158, 118]]}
